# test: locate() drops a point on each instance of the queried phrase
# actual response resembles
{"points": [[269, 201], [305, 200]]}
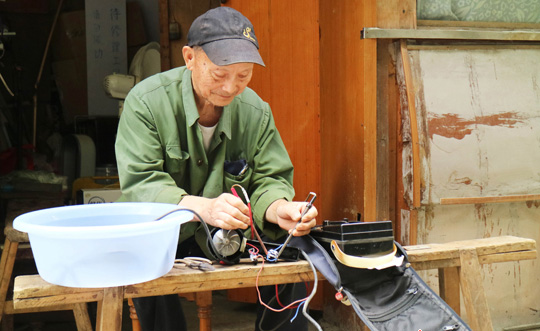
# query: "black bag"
{"points": [[390, 299]]}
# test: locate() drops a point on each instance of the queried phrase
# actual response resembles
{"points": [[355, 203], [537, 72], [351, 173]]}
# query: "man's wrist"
{"points": [[271, 212]]}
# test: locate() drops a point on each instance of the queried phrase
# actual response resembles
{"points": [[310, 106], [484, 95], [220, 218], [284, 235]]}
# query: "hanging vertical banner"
{"points": [[106, 51]]}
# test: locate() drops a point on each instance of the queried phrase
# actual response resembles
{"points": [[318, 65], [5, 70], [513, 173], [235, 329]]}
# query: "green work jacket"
{"points": [[161, 157]]}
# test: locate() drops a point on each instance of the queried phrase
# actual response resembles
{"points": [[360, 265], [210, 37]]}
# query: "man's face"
{"points": [[215, 84]]}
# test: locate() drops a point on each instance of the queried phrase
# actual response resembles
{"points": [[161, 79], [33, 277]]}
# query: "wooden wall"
{"points": [[348, 109], [290, 81]]}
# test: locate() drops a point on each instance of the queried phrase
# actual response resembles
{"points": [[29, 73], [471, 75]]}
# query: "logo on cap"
{"points": [[246, 33]]}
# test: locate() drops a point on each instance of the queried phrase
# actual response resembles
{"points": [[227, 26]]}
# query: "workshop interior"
{"points": [[413, 127]]}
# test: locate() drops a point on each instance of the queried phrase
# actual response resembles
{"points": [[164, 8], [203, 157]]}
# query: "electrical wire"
{"points": [[6, 85], [283, 319], [303, 303], [205, 226], [253, 228], [292, 304], [308, 300]]}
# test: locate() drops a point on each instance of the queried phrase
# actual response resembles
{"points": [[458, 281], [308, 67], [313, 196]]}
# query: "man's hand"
{"points": [[286, 214], [226, 211]]}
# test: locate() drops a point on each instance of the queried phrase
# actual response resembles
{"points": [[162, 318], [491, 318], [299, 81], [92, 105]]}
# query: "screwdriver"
{"points": [[310, 199]]}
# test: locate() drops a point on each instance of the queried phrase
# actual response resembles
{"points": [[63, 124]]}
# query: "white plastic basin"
{"points": [[103, 245]]}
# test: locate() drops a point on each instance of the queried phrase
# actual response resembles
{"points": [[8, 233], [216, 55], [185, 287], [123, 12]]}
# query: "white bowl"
{"points": [[103, 245]]}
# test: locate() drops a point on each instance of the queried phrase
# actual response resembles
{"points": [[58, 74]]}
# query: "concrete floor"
{"points": [[226, 316]]}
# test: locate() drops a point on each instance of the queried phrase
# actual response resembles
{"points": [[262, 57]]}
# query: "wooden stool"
{"points": [[12, 240], [459, 267]]}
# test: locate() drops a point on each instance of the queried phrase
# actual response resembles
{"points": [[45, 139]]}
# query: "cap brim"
{"points": [[229, 51]]}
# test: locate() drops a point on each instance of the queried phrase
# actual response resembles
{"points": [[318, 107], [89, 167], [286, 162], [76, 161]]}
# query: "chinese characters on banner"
{"points": [[106, 51]]}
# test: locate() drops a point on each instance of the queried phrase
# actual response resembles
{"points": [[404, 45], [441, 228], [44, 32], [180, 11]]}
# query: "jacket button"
{"points": [[199, 162]]}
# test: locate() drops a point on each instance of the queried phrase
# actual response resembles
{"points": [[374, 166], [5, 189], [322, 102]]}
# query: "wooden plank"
{"points": [[384, 189], [369, 59], [396, 14], [483, 25], [33, 302], [484, 246], [6, 267], [476, 46], [224, 277], [484, 259], [82, 319], [110, 309], [472, 287], [342, 108], [9, 310], [33, 291], [411, 103], [449, 287], [490, 199], [451, 34]]}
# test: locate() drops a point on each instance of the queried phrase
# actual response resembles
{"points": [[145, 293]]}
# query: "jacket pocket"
{"points": [[176, 160], [243, 180]]}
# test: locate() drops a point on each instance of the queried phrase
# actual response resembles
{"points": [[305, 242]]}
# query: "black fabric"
{"points": [[160, 313], [235, 168], [390, 299]]}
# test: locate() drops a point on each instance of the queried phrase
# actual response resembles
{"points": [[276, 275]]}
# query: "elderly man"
{"points": [[186, 136]]}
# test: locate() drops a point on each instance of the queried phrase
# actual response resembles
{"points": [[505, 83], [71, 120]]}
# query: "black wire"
{"points": [[280, 291], [213, 250]]}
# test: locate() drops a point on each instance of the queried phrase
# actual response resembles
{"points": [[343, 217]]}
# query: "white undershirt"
{"points": [[207, 133]]}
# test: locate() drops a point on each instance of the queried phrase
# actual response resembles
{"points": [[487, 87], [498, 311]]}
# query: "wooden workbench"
{"points": [[458, 263], [32, 291]]}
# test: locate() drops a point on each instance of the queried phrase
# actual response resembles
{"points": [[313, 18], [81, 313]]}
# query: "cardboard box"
{"points": [[100, 195]]}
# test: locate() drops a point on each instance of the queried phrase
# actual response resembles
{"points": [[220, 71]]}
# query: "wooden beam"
{"points": [[396, 14], [470, 24], [490, 199], [110, 309], [413, 121], [370, 116], [472, 287], [449, 289], [451, 34]]}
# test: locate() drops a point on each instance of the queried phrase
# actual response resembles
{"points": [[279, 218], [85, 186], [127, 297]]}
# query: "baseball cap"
{"points": [[226, 36]]}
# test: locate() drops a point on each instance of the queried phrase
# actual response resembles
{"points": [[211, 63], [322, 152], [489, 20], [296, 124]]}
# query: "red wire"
{"points": [[277, 298], [251, 220], [250, 213], [289, 306], [277, 294], [256, 250]]}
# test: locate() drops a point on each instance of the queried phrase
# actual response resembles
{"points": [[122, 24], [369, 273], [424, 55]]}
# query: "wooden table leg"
{"points": [[449, 287], [204, 309], [6, 268], [110, 310], [82, 319], [472, 286], [135, 323]]}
